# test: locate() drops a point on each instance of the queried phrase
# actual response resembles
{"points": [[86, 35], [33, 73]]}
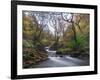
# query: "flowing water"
{"points": [[55, 60]]}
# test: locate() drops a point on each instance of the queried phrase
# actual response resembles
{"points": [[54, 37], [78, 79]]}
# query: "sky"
{"points": [[50, 18]]}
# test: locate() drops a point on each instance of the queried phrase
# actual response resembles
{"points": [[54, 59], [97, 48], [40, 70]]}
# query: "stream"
{"points": [[55, 60]]}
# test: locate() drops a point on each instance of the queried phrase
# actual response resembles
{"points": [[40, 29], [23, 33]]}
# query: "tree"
{"points": [[69, 17]]}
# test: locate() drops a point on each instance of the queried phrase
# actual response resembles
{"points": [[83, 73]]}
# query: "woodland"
{"points": [[63, 32]]}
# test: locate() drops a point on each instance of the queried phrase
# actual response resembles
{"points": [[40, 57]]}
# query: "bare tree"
{"points": [[69, 17], [39, 20], [58, 25]]}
